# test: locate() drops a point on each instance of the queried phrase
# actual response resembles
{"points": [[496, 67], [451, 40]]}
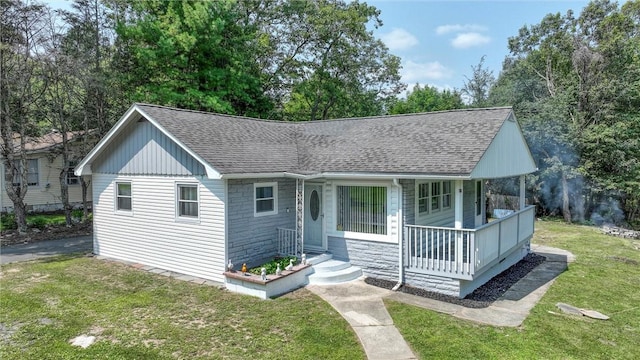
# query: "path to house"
{"points": [[362, 305], [41, 249]]}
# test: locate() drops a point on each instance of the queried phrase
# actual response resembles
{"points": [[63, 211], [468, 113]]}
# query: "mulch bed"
{"points": [[11, 237], [483, 296]]}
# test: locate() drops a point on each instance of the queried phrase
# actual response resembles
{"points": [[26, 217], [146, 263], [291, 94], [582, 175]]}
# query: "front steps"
{"points": [[327, 271]]}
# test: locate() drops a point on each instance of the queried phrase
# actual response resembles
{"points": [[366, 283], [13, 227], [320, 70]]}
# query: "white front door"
{"points": [[313, 218], [479, 204]]}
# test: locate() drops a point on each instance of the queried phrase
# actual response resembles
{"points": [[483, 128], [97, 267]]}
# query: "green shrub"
{"points": [[77, 214], [38, 222], [8, 221], [272, 265]]}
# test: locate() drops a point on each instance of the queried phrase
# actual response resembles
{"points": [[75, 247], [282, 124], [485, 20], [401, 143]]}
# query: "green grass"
{"points": [[138, 315], [605, 277], [33, 220]]}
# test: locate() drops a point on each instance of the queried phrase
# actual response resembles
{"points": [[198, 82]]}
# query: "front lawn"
{"points": [[138, 315], [605, 277]]}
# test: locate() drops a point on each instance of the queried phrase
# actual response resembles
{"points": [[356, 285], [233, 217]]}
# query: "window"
{"points": [[362, 209], [433, 196], [72, 179], [123, 196], [188, 200], [266, 199], [33, 175]]}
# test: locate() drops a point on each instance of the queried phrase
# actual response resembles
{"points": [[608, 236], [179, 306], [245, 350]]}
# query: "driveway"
{"points": [[41, 249]]}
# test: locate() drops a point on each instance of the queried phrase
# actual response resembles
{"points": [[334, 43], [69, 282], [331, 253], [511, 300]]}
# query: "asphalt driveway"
{"points": [[41, 249]]}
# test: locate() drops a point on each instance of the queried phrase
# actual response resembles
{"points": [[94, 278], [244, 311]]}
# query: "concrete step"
{"points": [[335, 277], [330, 265], [315, 259]]}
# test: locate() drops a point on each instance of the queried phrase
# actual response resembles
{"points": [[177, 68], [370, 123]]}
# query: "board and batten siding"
{"points": [[152, 234], [142, 149]]}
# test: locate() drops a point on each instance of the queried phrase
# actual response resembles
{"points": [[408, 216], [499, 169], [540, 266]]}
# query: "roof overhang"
{"points": [[344, 176], [84, 167]]}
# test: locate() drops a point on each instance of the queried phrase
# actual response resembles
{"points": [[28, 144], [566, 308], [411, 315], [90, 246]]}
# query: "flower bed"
{"points": [[274, 285]]}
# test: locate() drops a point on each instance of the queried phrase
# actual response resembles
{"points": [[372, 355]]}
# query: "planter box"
{"points": [[251, 284]]}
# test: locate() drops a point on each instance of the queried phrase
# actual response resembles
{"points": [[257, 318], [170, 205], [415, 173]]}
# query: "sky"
{"points": [[439, 41]]}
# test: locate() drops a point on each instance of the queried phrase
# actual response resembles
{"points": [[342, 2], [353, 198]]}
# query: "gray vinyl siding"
{"points": [[252, 239], [408, 201], [469, 204], [377, 259], [142, 149], [152, 235]]}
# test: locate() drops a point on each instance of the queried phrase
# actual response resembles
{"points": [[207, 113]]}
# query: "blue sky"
{"points": [[439, 41]]}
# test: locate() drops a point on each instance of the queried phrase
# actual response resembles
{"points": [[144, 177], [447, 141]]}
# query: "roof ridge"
{"points": [[325, 120]]}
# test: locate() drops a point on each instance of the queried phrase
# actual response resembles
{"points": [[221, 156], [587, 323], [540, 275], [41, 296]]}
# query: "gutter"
{"points": [[400, 231]]}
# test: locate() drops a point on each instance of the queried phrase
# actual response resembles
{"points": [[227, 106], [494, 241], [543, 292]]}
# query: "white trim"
{"points": [[441, 206], [186, 218], [274, 185], [116, 210], [342, 176], [387, 238]]}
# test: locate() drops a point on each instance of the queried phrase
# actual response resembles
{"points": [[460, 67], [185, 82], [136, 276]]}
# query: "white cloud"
{"points": [[467, 40], [399, 39], [413, 72], [457, 28]]}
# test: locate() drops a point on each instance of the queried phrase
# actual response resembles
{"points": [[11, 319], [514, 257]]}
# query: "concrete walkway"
{"points": [[42, 249], [362, 305]]}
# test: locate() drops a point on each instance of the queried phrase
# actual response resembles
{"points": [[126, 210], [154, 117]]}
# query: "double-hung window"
{"points": [[265, 198], [362, 209], [33, 174], [123, 196], [71, 178], [433, 196], [187, 200]]}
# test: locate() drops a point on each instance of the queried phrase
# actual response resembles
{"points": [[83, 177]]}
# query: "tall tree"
{"points": [[191, 55], [477, 88], [21, 86]]}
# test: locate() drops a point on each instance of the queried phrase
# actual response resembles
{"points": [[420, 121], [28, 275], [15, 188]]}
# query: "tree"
{"points": [[190, 55], [476, 88], [425, 99], [319, 60], [21, 86]]}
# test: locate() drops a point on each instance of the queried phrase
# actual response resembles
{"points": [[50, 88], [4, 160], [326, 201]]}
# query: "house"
{"points": [[400, 197], [45, 163]]}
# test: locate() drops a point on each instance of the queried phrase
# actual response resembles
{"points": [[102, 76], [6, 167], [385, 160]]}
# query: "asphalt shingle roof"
{"points": [[437, 143]]}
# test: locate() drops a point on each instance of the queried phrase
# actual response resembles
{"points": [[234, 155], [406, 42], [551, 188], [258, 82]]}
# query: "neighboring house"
{"points": [[45, 164], [402, 196]]}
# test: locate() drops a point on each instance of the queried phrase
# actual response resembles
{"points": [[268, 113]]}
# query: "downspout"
{"points": [[400, 231]]}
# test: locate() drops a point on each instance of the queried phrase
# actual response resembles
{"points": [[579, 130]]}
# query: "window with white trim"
{"points": [[361, 209], [265, 198], [433, 196], [123, 196], [187, 200], [33, 173], [71, 178]]}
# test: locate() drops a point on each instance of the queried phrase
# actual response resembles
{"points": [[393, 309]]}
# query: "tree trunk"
{"points": [[85, 207], [566, 212]]}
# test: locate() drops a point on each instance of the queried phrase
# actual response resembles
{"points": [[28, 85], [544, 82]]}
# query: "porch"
{"points": [[465, 253]]}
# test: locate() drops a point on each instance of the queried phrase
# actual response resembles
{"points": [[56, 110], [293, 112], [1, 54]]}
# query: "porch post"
{"points": [[522, 193], [458, 204], [299, 217]]}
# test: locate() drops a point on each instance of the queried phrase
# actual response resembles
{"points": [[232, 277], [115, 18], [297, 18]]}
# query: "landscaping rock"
{"points": [[83, 341]]}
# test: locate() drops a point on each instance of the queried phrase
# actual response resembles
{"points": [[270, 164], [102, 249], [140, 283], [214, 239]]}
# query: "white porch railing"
{"points": [[463, 253], [287, 242]]}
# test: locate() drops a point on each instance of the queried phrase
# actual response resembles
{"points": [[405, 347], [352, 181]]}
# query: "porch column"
{"points": [[458, 204], [299, 217], [522, 193]]}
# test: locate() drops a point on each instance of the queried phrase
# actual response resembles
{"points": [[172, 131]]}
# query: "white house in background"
{"points": [[45, 164], [399, 198]]}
